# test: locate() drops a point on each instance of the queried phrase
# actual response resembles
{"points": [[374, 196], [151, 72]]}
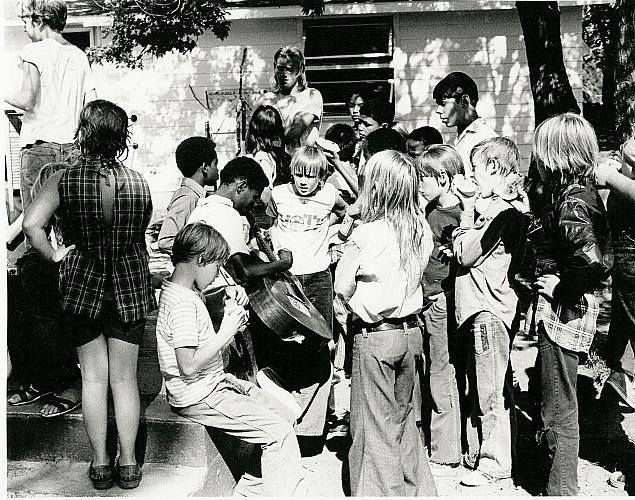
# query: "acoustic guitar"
{"points": [[280, 303]]}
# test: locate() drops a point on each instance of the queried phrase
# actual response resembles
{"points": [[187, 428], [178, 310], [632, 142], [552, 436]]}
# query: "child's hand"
{"points": [[606, 168], [446, 253], [546, 284], [464, 188], [235, 319], [238, 294]]}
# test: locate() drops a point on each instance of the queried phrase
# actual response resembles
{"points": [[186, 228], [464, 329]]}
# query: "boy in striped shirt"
{"points": [[190, 359]]}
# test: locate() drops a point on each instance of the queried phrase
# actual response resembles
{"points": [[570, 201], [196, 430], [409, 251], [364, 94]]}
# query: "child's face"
{"points": [[305, 183], [32, 29], [354, 106], [367, 125], [414, 148], [205, 274], [430, 189], [211, 173], [450, 111], [486, 176]]}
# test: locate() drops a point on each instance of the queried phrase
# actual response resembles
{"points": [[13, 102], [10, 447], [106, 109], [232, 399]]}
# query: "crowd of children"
{"points": [[408, 248]]}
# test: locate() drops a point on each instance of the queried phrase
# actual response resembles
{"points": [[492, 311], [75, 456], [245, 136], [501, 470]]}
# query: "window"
{"points": [[349, 55], [79, 38]]}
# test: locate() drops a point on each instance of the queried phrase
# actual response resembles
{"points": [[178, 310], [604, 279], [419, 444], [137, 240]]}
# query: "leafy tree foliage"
{"points": [[146, 28], [625, 69]]}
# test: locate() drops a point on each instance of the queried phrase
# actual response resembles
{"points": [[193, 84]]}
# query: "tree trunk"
{"points": [[625, 70], [549, 81]]}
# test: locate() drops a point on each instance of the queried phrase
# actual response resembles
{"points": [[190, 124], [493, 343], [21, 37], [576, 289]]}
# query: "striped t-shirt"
{"points": [[183, 321]]}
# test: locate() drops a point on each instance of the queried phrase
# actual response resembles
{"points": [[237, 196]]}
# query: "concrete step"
{"points": [[164, 439], [67, 478]]}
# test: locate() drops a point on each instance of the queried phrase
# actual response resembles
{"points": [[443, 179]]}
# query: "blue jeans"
{"points": [[560, 435], [622, 327], [33, 158], [242, 410], [490, 373], [387, 456], [445, 423]]}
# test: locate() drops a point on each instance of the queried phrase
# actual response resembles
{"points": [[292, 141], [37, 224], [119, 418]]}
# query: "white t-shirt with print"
{"points": [[302, 226], [65, 78]]}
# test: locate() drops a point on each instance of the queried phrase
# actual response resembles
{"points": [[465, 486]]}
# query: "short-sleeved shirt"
{"points": [[308, 100], [302, 226], [219, 212], [65, 78], [183, 321], [181, 205], [474, 133]]}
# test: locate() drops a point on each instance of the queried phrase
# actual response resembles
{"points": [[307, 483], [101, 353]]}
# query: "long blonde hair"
{"points": [[390, 191], [567, 147]]}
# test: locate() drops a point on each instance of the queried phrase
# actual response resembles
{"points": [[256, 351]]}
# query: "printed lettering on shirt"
{"points": [[302, 222]]}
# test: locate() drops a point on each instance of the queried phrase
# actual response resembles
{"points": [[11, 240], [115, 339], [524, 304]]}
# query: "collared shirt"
{"points": [[370, 278], [181, 205], [105, 254], [474, 133], [487, 249]]}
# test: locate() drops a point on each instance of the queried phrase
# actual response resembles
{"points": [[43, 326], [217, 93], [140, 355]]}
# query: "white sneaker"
{"points": [[478, 478], [269, 382]]}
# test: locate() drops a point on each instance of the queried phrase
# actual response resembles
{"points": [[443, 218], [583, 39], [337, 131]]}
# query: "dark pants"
{"points": [[560, 435], [622, 327], [41, 351], [387, 456]]}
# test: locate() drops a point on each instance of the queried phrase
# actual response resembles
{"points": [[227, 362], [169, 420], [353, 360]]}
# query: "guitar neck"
{"points": [[264, 246]]}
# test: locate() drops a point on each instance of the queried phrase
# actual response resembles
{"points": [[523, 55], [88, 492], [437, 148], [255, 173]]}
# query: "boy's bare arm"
{"points": [[192, 359], [339, 209]]}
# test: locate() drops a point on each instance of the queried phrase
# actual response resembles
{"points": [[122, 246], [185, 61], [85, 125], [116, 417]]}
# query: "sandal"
{"points": [[129, 476], [101, 476], [28, 396], [63, 406]]}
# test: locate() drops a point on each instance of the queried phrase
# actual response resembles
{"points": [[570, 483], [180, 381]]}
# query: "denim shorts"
{"points": [[83, 330]]}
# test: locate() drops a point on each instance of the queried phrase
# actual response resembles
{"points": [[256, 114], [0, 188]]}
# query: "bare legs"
{"points": [[115, 362]]}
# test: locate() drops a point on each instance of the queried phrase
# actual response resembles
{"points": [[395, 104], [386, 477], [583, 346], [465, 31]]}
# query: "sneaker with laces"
{"points": [[478, 478], [269, 382]]}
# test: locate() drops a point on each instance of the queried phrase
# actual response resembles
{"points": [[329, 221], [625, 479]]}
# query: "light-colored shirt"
{"points": [[308, 100], [370, 278], [181, 205], [267, 163], [219, 212], [183, 321], [302, 226], [474, 133], [485, 249], [65, 78]]}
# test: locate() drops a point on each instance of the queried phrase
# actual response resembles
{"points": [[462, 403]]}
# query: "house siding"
{"points": [[488, 45]]}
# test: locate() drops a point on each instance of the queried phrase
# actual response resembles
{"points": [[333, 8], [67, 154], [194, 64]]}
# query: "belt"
{"points": [[387, 324]]}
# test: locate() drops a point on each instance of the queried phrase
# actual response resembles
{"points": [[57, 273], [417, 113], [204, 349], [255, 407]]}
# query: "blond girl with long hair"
{"points": [[565, 150], [379, 277]]}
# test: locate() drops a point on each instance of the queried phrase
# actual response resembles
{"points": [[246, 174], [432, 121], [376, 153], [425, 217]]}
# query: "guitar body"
{"points": [[280, 303]]}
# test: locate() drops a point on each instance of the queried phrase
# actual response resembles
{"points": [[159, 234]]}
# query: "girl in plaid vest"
{"points": [[566, 151], [104, 209]]}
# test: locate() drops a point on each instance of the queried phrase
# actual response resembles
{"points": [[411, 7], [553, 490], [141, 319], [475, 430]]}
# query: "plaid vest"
{"points": [[117, 252]]}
